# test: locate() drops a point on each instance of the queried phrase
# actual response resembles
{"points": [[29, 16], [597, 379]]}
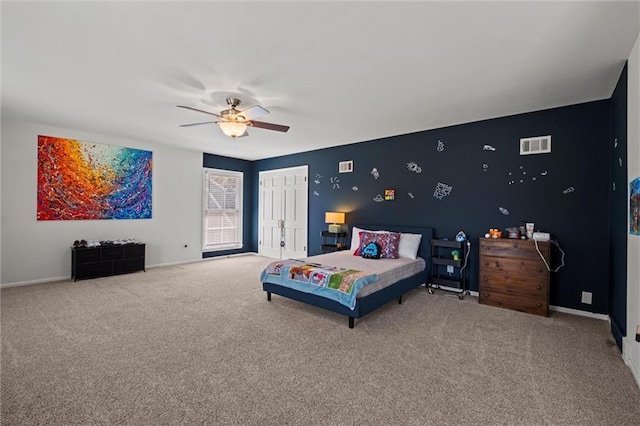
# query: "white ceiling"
{"points": [[336, 72]]}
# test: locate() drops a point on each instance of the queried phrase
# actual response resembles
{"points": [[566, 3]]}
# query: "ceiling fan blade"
{"points": [[197, 124], [199, 110], [254, 112], [269, 126]]}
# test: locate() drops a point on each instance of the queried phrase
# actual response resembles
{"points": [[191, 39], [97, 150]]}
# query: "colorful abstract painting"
{"points": [[634, 207], [81, 180]]}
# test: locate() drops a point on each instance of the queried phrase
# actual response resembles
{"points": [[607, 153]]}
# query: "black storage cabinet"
{"points": [[103, 261]]}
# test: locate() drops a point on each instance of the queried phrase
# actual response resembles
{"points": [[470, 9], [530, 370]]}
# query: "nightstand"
{"points": [[333, 241]]}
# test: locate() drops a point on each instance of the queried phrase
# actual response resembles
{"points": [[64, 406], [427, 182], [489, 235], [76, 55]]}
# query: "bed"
{"points": [[370, 296]]}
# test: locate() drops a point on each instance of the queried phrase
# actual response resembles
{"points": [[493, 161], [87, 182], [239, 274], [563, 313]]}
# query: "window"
{"points": [[222, 224]]}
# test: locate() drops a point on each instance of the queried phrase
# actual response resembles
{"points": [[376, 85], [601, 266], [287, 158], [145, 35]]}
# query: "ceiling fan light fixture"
{"points": [[232, 128]]}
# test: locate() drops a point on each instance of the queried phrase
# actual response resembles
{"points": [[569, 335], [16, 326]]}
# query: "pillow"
{"points": [[355, 238], [409, 245], [388, 241], [372, 251]]}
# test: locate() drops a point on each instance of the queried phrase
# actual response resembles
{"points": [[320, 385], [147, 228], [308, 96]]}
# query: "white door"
{"points": [[282, 220]]}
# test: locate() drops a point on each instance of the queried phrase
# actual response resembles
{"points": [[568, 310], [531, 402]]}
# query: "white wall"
{"points": [[35, 251], [631, 348]]}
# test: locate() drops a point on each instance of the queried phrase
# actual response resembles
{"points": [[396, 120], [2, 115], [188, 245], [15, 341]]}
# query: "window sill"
{"points": [[222, 248]]}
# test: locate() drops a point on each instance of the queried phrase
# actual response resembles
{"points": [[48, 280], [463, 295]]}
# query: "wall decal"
{"points": [[375, 173], [568, 190], [615, 143], [411, 195], [503, 210], [488, 148], [442, 190], [413, 166], [620, 161], [82, 180], [317, 179], [355, 188], [389, 194], [634, 206], [512, 180], [335, 182], [378, 198], [485, 167], [614, 186], [440, 147], [316, 193]]}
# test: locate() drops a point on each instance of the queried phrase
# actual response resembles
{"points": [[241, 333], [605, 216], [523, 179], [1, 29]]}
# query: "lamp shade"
{"points": [[232, 128], [334, 217]]}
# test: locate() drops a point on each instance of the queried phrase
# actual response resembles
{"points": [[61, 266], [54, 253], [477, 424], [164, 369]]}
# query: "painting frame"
{"points": [[634, 206], [80, 180]]}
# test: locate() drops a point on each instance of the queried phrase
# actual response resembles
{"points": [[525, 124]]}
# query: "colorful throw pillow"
{"points": [[372, 251], [355, 238], [389, 242]]}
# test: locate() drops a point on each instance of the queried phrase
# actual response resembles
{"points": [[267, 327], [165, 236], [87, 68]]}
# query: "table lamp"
{"points": [[336, 219]]}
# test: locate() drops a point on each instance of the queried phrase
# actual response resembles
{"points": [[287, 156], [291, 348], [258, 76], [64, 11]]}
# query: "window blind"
{"points": [[222, 210]]}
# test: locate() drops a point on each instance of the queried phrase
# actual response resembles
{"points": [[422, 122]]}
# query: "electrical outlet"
{"points": [[586, 297], [450, 269]]}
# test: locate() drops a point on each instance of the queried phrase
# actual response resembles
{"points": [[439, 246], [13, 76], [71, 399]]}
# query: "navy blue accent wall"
{"points": [[250, 203], [619, 212], [471, 177]]}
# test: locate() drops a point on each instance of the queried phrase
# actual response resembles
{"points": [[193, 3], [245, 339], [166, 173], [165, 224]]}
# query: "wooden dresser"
{"points": [[513, 276]]}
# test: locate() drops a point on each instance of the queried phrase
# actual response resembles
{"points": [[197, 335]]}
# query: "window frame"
{"points": [[239, 210]]}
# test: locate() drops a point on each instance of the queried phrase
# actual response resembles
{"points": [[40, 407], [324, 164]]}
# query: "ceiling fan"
{"points": [[234, 122]]}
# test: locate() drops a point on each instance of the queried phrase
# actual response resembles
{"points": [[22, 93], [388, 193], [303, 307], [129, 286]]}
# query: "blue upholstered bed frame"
{"points": [[373, 301]]}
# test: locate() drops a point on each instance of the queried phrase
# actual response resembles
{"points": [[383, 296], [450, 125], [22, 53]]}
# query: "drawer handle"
{"points": [[539, 270], [539, 305], [486, 263], [539, 287], [486, 280]]}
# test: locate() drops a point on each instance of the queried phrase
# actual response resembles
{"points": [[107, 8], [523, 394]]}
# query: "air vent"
{"points": [[345, 167], [537, 145]]}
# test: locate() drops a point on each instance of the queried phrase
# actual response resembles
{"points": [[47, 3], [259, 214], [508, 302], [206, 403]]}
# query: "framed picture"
{"points": [[634, 207], [83, 180]]}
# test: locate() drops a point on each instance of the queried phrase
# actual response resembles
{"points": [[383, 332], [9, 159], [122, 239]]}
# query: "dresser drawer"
{"points": [[112, 252], [128, 265], [134, 250], [525, 249], [85, 255], [515, 302], [514, 284], [514, 266], [92, 270]]}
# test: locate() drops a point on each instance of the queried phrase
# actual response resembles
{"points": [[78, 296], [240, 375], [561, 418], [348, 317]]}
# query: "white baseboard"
{"points": [[627, 344], [579, 312], [159, 265], [204, 259], [551, 307], [40, 281]]}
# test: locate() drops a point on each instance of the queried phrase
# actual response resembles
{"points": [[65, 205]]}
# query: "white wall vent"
{"points": [[536, 145], [345, 167]]}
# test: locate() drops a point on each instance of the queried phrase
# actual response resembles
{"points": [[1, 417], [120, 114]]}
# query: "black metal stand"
{"points": [[455, 279]]}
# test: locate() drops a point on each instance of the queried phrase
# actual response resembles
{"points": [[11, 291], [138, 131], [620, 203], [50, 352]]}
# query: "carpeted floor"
{"points": [[200, 344]]}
